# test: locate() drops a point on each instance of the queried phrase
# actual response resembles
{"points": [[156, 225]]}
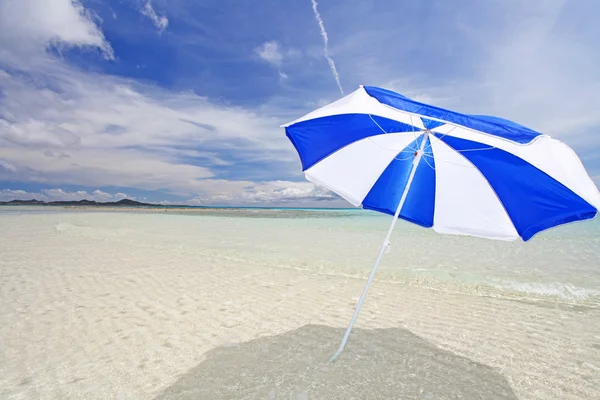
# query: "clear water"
{"points": [[562, 263]]}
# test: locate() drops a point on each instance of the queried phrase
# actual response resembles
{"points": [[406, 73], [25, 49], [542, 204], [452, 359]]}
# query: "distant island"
{"points": [[127, 203], [120, 203]]}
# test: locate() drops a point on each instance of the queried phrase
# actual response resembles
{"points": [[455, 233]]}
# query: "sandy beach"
{"points": [[101, 306]]}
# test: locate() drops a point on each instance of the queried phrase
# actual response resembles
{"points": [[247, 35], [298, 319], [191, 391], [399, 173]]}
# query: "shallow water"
{"points": [[562, 264], [102, 304]]}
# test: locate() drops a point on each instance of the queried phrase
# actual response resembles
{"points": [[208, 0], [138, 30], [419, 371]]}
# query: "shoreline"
{"points": [[180, 207], [188, 209]]}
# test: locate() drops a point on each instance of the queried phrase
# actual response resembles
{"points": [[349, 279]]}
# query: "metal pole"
{"points": [[415, 164]]}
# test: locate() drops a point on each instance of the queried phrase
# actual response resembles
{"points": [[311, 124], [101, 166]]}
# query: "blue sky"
{"points": [[181, 100]]}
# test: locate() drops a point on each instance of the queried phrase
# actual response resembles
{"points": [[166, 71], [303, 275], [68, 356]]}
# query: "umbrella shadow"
{"points": [[377, 364]]}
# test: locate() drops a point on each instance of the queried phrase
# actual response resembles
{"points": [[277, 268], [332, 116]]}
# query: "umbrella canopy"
{"points": [[478, 175], [456, 173]]}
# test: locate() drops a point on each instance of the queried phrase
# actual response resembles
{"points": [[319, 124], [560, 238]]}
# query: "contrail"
{"points": [[325, 47]]}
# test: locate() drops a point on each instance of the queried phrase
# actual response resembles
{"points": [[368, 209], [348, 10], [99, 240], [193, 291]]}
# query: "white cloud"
{"points": [[68, 126], [58, 194], [104, 131], [219, 192], [160, 22], [61, 195], [62, 125], [528, 61], [8, 194], [7, 166], [270, 52], [29, 26], [537, 66], [99, 195], [212, 192]]}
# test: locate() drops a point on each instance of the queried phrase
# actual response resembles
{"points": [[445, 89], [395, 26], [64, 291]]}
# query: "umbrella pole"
{"points": [[416, 161]]}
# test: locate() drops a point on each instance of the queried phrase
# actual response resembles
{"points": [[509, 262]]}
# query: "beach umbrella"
{"points": [[457, 173]]}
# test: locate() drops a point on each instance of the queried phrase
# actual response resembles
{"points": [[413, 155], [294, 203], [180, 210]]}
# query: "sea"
{"points": [[561, 264]]}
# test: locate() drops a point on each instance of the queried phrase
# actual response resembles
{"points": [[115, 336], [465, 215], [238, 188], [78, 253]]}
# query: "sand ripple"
{"points": [[93, 314]]}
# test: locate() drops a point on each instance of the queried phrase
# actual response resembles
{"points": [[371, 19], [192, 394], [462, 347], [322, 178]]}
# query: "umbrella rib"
{"points": [[425, 159], [483, 148], [378, 145], [444, 135], [412, 125], [427, 147], [410, 114], [379, 126], [409, 148], [459, 151], [404, 159], [450, 150]]}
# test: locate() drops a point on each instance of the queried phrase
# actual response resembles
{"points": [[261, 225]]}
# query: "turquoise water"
{"points": [[561, 263]]}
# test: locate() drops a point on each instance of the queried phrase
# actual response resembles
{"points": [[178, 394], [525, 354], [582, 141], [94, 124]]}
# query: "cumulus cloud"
{"points": [[99, 195], [213, 192], [8, 195], [29, 26], [281, 193], [61, 195], [61, 125], [58, 194], [160, 22]]}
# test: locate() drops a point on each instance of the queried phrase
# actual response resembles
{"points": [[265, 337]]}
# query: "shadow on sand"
{"points": [[377, 364]]}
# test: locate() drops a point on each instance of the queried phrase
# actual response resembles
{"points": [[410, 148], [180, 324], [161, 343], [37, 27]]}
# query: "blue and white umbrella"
{"points": [[456, 173]]}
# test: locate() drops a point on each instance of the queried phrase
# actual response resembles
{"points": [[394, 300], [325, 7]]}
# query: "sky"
{"points": [[181, 101]]}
